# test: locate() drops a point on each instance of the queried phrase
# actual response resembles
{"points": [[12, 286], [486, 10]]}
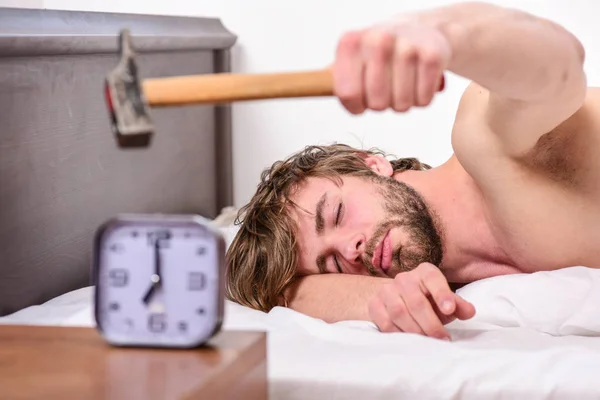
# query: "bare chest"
{"points": [[530, 229], [546, 214], [543, 210]]}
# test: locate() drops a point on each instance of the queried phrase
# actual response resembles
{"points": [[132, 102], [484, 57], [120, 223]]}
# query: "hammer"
{"points": [[129, 100]]}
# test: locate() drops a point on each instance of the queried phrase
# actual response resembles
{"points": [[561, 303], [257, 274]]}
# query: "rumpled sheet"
{"points": [[534, 336]]}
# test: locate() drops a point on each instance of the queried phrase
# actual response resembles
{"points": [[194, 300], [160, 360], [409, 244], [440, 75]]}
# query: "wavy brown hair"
{"points": [[262, 259]]}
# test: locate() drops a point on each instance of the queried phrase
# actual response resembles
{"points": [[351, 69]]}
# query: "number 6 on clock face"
{"points": [[159, 280]]}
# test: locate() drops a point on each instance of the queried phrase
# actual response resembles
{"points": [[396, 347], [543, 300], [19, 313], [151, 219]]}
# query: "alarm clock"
{"points": [[159, 280]]}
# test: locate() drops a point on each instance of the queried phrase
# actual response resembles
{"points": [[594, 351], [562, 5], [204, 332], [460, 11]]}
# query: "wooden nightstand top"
{"points": [[76, 363]]}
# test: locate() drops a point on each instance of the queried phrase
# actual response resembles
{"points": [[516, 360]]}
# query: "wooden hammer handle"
{"points": [[227, 87]]}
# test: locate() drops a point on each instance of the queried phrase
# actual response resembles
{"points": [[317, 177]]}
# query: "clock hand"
{"points": [[155, 278], [148, 294], [157, 264]]}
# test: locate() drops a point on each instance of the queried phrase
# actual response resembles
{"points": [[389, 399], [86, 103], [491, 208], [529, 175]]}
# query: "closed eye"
{"points": [[337, 264], [338, 215]]}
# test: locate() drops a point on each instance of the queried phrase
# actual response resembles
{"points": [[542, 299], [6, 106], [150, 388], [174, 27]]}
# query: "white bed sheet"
{"points": [[534, 337]]}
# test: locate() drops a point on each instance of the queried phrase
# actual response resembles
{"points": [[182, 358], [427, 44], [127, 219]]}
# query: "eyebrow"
{"points": [[320, 221]]}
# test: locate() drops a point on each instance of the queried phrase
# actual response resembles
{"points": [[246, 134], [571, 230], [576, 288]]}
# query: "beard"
{"points": [[405, 209]]}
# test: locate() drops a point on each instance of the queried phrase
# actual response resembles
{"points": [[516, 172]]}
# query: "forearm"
{"points": [[334, 297], [511, 53]]}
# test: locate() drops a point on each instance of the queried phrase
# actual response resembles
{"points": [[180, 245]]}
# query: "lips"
{"points": [[382, 258]]}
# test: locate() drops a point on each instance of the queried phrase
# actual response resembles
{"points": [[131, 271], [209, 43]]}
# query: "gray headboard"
{"points": [[61, 172]]}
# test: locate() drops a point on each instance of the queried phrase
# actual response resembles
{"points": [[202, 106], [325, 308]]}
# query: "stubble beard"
{"points": [[405, 209]]}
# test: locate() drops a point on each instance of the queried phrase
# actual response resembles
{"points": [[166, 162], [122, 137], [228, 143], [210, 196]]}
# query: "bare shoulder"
{"points": [[568, 155], [544, 206]]}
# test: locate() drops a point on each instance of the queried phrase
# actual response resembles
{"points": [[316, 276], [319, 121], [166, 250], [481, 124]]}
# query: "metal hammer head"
{"points": [[130, 117]]}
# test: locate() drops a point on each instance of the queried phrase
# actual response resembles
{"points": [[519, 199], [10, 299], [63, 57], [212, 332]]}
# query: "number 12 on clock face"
{"points": [[159, 280]]}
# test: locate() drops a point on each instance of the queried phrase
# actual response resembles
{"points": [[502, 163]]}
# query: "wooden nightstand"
{"points": [[41, 362]]}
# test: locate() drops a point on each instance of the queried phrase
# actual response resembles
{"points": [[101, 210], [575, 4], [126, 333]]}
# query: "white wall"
{"points": [[277, 35], [22, 3]]}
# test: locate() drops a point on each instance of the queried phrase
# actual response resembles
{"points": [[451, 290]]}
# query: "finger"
{"points": [[464, 309], [429, 71], [404, 75], [398, 312], [379, 315], [444, 319], [379, 49], [348, 73], [441, 83], [422, 311], [436, 285]]}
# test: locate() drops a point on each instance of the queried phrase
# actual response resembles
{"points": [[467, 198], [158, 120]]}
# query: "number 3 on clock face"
{"points": [[159, 280]]}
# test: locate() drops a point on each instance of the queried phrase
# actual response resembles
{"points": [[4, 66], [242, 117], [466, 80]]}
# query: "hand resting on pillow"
{"points": [[412, 302], [419, 301]]}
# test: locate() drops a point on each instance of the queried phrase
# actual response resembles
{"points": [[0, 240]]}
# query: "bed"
{"points": [[534, 336]]}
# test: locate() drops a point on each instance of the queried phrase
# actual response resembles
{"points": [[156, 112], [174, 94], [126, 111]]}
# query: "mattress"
{"points": [[534, 336]]}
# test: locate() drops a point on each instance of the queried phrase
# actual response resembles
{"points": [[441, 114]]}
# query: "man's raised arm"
{"points": [[531, 69], [527, 71]]}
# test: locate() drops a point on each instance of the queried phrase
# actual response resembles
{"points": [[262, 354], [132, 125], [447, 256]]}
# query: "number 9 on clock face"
{"points": [[159, 280]]}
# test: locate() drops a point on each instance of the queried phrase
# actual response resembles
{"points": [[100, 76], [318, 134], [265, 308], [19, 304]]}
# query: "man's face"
{"points": [[367, 226]]}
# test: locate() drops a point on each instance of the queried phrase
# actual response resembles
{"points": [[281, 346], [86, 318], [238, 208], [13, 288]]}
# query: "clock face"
{"points": [[158, 282]]}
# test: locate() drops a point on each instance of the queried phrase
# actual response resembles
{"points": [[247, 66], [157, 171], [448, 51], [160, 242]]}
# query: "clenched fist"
{"points": [[399, 66], [419, 301]]}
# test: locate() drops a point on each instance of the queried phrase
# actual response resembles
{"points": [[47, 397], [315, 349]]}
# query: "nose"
{"points": [[353, 249]]}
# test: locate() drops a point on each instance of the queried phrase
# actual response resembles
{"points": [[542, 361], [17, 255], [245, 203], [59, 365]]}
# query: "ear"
{"points": [[379, 165]]}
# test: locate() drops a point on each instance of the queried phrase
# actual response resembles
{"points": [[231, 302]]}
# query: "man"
{"points": [[340, 233]]}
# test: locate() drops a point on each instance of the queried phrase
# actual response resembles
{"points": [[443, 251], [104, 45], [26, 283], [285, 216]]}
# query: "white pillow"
{"points": [[561, 302]]}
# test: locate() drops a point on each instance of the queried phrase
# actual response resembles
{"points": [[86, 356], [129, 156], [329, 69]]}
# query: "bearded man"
{"points": [[341, 233]]}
